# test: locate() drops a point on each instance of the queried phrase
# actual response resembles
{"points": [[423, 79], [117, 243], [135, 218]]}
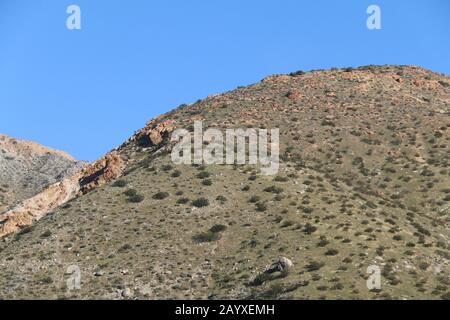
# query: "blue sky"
{"points": [[86, 91]]}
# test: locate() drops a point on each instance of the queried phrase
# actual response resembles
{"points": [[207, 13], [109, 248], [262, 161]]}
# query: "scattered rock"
{"points": [[283, 264], [126, 293]]}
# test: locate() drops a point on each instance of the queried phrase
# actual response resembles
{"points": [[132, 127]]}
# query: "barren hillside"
{"points": [[364, 180]]}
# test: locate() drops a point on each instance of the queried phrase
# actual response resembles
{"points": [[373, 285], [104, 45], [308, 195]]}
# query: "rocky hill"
{"points": [[364, 181], [26, 168]]}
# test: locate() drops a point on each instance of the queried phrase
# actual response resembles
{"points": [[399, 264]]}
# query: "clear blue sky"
{"points": [[86, 91]]}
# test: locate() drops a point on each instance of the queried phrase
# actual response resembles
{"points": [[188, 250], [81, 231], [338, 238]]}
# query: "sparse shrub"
{"points": [[206, 237], [176, 174], [443, 83], [261, 206], [314, 266], [182, 200], [203, 175], [167, 167], [286, 223], [23, 231], [424, 265], [213, 234], [200, 202], [119, 183], [331, 252], [160, 195], [136, 198], [46, 234], [297, 73], [274, 189], [46, 280], [280, 179], [309, 228], [323, 242], [306, 209], [218, 228], [207, 182], [130, 192], [221, 198], [124, 248]]}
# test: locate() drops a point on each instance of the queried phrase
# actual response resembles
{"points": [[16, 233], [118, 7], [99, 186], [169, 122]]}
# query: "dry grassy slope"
{"points": [[364, 180], [26, 168]]}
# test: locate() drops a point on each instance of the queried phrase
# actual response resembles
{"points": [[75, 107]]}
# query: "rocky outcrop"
{"points": [[154, 133], [281, 265], [91, 176], [38, 206], [102, 171], [26, 168], [96, 174]]}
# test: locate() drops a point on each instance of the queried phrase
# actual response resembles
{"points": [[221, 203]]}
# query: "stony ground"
{"points": [[363, 181]]}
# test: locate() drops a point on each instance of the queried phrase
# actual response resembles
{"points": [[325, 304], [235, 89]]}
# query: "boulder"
{"points": [[281, 265]]}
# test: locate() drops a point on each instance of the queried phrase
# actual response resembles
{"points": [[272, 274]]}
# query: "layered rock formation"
{"points": [[26, 168]]}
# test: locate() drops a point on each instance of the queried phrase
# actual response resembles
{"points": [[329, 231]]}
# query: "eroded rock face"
{"points": [[26, 168], [101, 171], [91, 176], [154, 133], [38, 206], [96, 174]]}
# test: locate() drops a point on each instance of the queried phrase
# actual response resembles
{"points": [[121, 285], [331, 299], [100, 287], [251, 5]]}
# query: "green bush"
{"points": [[46, 234], [218, 228], [309, 228], [182, 200], [207, 182], [221, 198], [203, 175], [331, 252], [200, 202], [314, 266], [119, 183], [160, 195], [261, 206], [167, 167], [206, 237], [274, 189], [136, 198], [176, 174], [130, 192]]}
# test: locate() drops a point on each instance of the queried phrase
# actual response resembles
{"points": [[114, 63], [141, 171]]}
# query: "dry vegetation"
{"points": [[363, 180]]}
